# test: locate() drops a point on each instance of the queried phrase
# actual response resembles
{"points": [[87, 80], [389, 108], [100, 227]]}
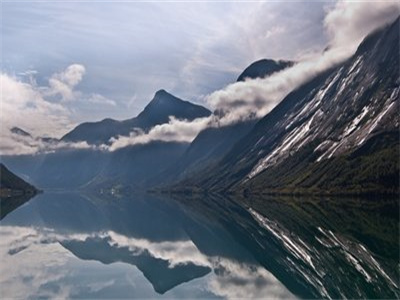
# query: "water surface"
{"points": [[145, 246]]}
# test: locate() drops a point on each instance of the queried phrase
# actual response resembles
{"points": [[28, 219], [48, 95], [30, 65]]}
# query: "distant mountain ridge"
{"points": [[130, 166], [21, 132], [158, 111]]}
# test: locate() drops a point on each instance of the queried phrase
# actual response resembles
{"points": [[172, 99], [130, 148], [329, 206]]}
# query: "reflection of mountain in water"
{"points": [[315, 247], [319, 248], [158, 271], [8, 204]]}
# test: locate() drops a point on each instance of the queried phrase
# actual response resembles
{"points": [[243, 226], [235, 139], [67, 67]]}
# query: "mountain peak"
{"points": [[162, 92], [19, 131], [158, 111], [163, 97], [263, 67], [163, 105]]}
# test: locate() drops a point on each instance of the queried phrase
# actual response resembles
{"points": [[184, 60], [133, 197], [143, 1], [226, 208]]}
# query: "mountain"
{"points": [[130, 166], [158, 111], [263, 68], [157, 271], [11, 184], [21, 132], [153, 164], [338, 133], [213, 143], [14, 191]]}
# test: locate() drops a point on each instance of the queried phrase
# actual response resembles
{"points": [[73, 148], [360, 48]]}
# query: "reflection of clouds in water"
{"points": [[23, 275], [176, 253], [231, 279], [43, 268], [236, 280]]}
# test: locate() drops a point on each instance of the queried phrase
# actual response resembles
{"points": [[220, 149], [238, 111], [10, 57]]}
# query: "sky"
{"points": [[68, 62], [130, 50]]}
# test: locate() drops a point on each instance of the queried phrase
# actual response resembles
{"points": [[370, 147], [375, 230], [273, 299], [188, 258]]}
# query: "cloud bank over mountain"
{"points": [[173, 131], [347, 23]]}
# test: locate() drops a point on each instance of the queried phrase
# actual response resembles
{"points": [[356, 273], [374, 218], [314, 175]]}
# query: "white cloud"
{"points": [[254, 98], [99, 99], [348, 22], [26, 105], [63, 83], [174, 130], [15, 144], [47, 267], [23, 105]]}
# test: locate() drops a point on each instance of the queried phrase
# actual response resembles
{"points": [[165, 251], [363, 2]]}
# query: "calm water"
{"points": [[68, 245]]}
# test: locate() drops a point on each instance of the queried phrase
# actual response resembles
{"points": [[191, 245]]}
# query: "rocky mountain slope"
{"points": [[337, 133]]}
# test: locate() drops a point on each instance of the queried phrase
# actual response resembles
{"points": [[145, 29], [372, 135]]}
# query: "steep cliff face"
{"points": [[339, 131]]}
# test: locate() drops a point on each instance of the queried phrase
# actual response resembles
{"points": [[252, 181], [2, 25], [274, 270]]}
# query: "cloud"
{"points": [[56, 273], [211, 44], [235, 280], [15, 144], [23, 105], [254, 98], [99, 99], [63, 83], [175, 130], [21, 275], [249, 31], [347, 23], [28, 106]]}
